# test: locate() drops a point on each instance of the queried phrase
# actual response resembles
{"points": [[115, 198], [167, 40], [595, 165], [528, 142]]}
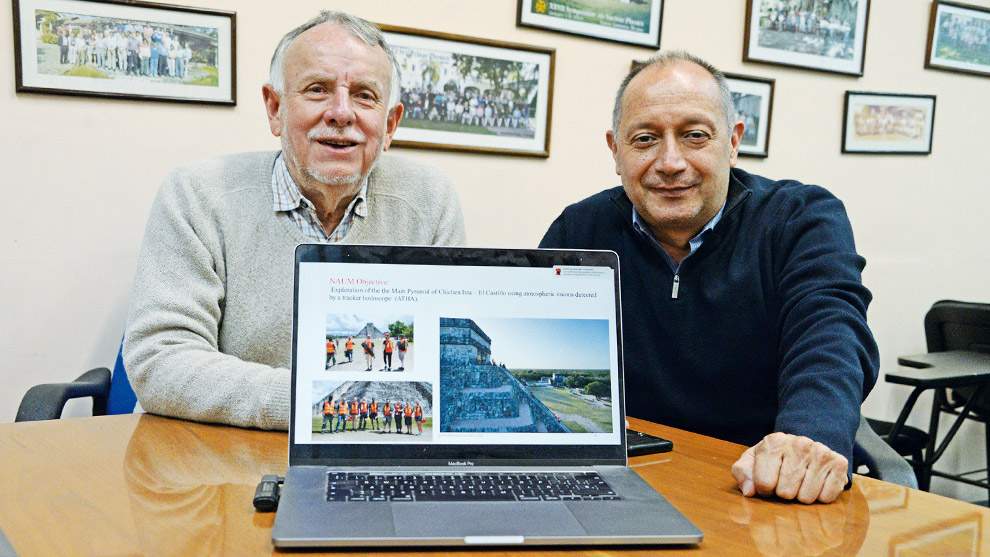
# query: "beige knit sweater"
{"points": [[210, 322]]}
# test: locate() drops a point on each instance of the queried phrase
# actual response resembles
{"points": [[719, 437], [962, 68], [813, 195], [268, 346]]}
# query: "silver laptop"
{"points": [[461, 396]]}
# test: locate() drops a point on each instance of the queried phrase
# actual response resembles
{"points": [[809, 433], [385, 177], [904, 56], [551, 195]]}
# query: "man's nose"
{"points": [[670, 159], [339, 112]]}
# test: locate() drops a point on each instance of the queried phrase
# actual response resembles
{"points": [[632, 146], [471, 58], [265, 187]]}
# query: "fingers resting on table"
{"points": [[791, 467]]}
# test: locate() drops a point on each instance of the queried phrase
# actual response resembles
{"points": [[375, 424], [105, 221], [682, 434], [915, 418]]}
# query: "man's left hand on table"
{"points": [[791, 467]]}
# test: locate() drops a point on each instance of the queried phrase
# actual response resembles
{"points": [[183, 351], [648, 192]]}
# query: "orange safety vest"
{"points": [[387, 409], [374, 408], [349, 345], [419, 412], [368, 346], [327, 408], [388, 346], [330, 347], [408, 411], [402, 345], [354, 407], [364, 407], [398, 409], [342, 407]]}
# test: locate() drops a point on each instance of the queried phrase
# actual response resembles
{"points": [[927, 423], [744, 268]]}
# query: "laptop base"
{"points": [[641, 517]]}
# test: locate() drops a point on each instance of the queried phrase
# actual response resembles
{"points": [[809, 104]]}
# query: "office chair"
{"points": [[881, 460], [112, 394], [949, 325], [952, 325]]}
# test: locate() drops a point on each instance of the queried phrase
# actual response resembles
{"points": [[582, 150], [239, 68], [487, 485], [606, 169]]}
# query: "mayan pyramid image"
{"points": [[478, 396], [370, 329]]}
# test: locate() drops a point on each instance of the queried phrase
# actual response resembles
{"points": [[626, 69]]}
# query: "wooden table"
{"points": [[142, 484]]}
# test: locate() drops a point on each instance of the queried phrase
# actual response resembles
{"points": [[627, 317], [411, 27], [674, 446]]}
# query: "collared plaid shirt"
{"points": [[288, 199]]}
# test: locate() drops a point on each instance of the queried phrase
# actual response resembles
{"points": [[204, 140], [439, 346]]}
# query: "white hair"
{"points": [[364, 30]]}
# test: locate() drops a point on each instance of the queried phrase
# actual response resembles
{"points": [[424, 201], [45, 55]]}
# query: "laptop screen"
{"points": [[459, 356]]}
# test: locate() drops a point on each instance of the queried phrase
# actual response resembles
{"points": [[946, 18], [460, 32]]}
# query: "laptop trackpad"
{"points": [[487, 519]]}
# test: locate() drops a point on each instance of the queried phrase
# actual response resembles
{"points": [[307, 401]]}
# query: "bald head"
{"points": [[671, 59]]}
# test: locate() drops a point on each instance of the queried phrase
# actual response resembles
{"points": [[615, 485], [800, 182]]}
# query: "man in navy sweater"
{"points": [[744, 312]]}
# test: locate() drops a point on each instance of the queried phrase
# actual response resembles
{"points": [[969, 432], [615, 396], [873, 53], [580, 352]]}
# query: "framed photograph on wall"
{"points": [[634, 22], [753, 97], [469, 94], [959, 38], [888, 123], [125, 49], [823, 35]]}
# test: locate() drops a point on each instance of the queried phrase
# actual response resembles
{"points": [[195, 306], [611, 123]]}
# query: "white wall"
{"points": [[80, 174]]}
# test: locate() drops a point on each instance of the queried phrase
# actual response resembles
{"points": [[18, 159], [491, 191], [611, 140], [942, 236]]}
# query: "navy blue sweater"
{"points": [[768, 331]]}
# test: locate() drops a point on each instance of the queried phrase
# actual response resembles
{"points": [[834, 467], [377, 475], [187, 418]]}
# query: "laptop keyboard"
{"points": [[468, 486]]}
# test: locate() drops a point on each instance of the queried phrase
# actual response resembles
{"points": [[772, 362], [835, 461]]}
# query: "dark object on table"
{"points": [[638, 444]]}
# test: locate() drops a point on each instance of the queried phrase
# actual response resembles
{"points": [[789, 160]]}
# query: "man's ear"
{"points": [[273, 101], [734, 140], [614, 147], [391, 123]]}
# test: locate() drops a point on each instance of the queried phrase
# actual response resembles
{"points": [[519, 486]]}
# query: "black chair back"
{"points": [[953, 325]]}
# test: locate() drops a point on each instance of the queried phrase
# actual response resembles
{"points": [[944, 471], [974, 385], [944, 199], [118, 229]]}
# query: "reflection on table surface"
{"points": [[143, 484]]}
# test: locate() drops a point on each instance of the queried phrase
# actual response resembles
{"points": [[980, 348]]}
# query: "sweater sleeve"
{"points": [[828, 357], [171, 349], [450, 224], [554, 237]]}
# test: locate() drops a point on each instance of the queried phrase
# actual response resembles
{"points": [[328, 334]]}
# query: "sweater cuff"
{"points": [[276, 406]]}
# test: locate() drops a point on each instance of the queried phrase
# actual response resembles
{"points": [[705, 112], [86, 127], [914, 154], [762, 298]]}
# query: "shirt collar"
{"points": [[286, 195], [694, 243]]}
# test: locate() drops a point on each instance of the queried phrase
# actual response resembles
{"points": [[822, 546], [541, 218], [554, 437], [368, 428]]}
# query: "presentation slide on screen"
{"points": [[456, 355]]}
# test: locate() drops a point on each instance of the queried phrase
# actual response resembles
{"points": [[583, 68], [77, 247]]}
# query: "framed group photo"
{"points": [[753, 98], [959, 38], [635, 22], [888, 123], [468, 94], [823, 35], [125, 49]]}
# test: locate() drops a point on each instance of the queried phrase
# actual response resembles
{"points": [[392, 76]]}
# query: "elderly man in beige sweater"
{"points": [[209, 328]]}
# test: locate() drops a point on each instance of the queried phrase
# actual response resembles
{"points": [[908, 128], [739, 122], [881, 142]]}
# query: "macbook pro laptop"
{"points": [[461, 396]]}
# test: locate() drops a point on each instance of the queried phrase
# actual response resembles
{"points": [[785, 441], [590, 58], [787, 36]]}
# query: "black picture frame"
{"points": [[753, 97], [888, 123], [825, 38], [99, 59], [635, 23], [950, 47], [453, 68]]}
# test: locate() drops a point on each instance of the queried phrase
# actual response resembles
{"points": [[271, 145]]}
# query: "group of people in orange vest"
{"points": [[389, 347], [364, 415], [332, 352]]}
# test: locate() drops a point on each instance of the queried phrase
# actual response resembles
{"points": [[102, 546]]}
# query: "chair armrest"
{"points": [[882, 460], [46, 401]]}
